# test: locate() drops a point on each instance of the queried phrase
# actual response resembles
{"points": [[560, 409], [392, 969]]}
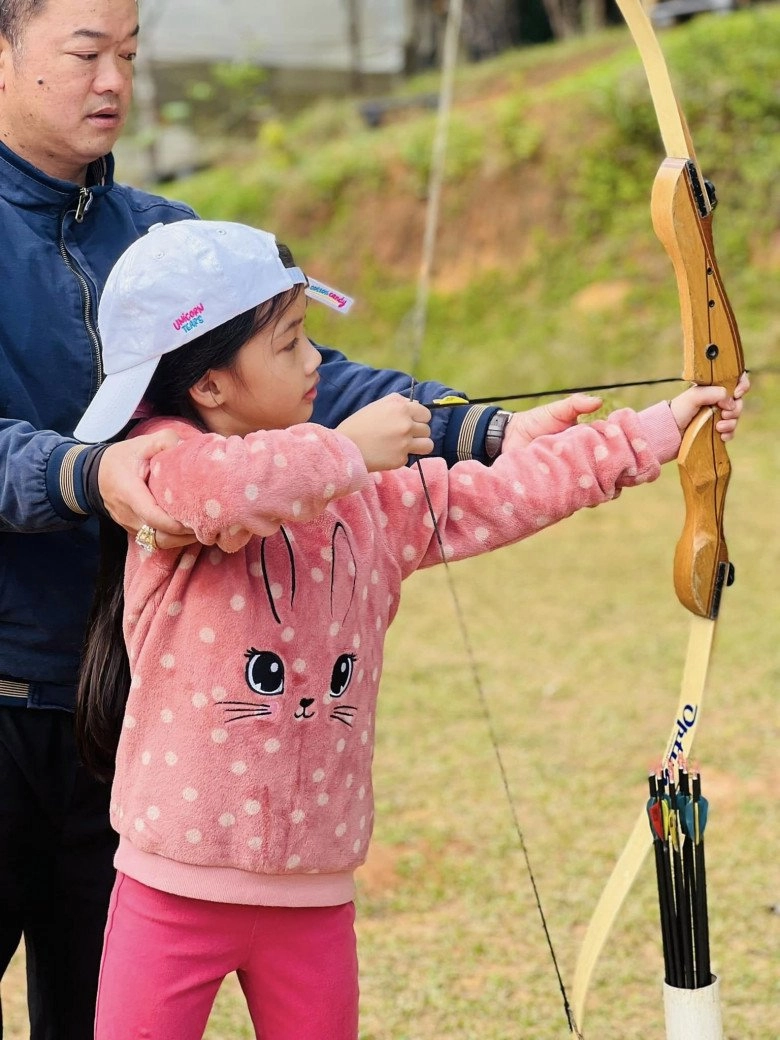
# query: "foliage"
{"points": [[576, 633], [221, 102], [722, 95], [309, 171]]}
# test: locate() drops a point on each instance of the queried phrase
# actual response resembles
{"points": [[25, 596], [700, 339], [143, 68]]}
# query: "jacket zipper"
{"points": [[83, 203]]}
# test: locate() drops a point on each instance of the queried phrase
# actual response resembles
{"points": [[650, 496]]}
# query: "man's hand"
{"points": [[388, 431], [122, 476], [525, 427]]}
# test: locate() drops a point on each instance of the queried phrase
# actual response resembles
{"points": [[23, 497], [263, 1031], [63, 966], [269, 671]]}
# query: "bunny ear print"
{"points": [[278, 572], [343, 575]]}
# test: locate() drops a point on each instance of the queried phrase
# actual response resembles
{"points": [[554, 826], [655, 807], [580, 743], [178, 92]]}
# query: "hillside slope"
{"points": [[544, 224]]}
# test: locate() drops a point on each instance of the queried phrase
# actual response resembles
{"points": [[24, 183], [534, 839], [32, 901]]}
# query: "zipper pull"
{"points": [[83, 204]]}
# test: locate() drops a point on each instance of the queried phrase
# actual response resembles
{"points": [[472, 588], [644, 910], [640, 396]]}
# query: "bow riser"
{"points": [[712, 351], [712, 354]]}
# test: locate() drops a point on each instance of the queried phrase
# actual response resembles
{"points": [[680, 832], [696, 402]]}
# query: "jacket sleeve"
{"points": [[230, 488], [529, 487], [345, 386], [41, 479]]}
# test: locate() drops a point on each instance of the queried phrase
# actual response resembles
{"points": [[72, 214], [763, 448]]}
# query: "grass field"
{"points": [[577, 635], [579, 642]]}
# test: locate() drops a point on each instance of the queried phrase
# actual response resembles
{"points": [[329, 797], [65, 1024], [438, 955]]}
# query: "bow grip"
{"points": [[701, 562]]}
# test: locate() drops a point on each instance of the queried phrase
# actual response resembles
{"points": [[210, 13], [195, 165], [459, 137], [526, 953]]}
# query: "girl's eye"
{"points": [[342, 674], [265, 673]]}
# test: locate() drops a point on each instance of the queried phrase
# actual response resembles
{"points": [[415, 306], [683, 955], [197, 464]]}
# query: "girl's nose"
{"points": [[315, 358]]}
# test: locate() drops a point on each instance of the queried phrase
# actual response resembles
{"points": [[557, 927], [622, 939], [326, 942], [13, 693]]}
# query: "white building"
{"points": [[347, 36]]}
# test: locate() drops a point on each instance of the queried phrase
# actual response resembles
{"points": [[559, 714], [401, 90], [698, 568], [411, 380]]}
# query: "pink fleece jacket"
{"points": [[244, 766]]}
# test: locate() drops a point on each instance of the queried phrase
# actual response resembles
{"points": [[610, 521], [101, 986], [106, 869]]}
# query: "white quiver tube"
{"points": [[693, 1014]]}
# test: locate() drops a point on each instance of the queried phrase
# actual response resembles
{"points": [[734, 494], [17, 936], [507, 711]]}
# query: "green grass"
{"points": [[547, 273]]}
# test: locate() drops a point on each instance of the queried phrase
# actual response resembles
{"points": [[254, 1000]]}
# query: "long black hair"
{"points": [[104, 678]]}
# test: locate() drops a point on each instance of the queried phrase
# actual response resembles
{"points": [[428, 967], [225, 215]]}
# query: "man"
{"points": [[65, 90]]}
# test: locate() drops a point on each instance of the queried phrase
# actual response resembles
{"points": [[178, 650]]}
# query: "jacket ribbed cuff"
{"points": [[65, 479], [466, 431]]}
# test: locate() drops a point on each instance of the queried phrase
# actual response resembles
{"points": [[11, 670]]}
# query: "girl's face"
{"points": [[273, 384]]}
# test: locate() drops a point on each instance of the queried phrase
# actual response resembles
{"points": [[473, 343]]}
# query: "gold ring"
{"points": [[147, 538]]}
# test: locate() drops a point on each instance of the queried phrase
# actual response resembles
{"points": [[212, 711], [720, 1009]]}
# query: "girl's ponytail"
{"points": [[104, 680]]}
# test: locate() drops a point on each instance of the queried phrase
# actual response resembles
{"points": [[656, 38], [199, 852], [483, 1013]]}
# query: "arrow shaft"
{"points": [[679, 745]]}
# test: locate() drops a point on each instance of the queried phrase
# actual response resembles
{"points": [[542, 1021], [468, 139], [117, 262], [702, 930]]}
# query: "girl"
{"points": [[242, 793]]}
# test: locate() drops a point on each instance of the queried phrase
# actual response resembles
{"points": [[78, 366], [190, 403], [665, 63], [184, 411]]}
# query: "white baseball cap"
{"points": [[170, 287]]}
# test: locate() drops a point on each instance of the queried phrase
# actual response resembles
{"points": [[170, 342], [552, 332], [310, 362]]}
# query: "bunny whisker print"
{"points": [[247, 837], [247, 711], [344, 714]]}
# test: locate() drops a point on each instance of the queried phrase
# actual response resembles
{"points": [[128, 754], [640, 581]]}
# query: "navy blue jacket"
{"points": [[57, 244]]}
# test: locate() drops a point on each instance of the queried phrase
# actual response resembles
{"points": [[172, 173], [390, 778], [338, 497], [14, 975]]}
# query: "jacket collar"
{"points": [[24, 184]]}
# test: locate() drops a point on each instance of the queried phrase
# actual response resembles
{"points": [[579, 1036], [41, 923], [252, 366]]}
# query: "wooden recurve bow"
{"points": [[681, 209]]}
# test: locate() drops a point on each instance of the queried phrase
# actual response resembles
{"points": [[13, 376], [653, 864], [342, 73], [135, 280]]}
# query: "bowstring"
{"points": [[418, 324]]}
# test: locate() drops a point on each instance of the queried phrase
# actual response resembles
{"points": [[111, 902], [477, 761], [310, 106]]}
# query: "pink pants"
{"points": [[165, 957]]}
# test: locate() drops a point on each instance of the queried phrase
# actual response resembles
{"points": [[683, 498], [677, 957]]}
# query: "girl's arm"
{"points": [[529, 487], [229, 488]]}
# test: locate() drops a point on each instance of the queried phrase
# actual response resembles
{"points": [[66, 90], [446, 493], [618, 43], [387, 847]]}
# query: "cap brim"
{"points": [[112, 407]]}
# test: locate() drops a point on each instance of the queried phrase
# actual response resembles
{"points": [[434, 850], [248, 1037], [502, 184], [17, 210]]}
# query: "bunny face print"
{"points": [[249, 731], [266, 675], [282, 682]]}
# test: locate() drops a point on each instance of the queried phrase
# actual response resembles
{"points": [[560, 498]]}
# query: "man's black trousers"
{"points": [[56, 870]]}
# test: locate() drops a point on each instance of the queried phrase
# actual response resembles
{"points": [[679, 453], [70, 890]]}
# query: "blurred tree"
{"points": [[532, 25], [147, 107], [492, 26], [489, 27], [565, 17], [355, 35]]}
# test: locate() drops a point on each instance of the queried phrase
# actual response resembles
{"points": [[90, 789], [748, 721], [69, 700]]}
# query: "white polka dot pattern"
{"points": [[273, 775]]}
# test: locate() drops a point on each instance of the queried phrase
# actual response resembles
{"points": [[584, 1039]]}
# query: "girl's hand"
{"points": [[388, 431], [555, 417], [687, 405]]}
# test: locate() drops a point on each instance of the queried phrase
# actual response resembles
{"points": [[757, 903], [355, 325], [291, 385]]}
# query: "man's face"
{"points": [[65, 90]]}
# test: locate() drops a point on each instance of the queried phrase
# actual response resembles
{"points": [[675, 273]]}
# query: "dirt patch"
{"points": [[379, 874], [601, 296], [728, 791], [495, 226]]}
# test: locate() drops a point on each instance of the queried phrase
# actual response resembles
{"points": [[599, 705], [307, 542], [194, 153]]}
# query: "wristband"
{"points": [[494, 437]]}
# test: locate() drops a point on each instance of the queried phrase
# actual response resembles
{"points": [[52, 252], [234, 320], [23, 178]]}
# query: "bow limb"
{"points": [[681, 209]]}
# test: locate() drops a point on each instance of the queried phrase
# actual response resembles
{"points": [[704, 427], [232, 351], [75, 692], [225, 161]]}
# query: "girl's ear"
{"points": [[209, 390]]}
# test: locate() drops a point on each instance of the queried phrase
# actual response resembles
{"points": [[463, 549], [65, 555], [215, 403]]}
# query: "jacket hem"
{"points": [[232, 885]]}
